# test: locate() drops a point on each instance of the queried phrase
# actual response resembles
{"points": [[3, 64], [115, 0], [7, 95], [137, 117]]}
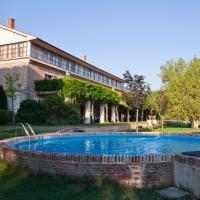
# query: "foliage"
{"points": [[11, 80], [171, 69], [151, 102], [3, 99], [59, 112], [182, 91], [50, 110], [48, 85], [83, 90], [31, 111], [137, 90], [162, 102], [4, 117]]}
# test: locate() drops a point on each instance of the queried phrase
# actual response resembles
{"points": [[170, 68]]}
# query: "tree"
{"points": [[136, 94], [182, 91], [172, 69], [11, 80], [171, 75], [3, 102], [162, 104], [151, 103]]}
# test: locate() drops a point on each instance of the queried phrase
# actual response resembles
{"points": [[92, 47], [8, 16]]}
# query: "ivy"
{"points": [[83, 90], [79, 89]]}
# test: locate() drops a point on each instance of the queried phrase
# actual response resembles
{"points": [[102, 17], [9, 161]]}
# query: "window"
{"points": [[13, 50]]}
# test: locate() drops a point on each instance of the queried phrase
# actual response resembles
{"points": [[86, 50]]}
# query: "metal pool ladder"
{"points": [[25, 128]]}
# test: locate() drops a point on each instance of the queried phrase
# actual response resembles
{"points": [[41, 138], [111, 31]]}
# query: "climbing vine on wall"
{"points": [[83, 90], [79, 89]]}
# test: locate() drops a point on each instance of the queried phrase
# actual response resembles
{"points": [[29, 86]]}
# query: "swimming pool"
{"points": [[140, 160], [113, 144]]}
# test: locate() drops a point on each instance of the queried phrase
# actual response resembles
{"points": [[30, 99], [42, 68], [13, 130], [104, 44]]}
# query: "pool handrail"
{"points": [[30, 128], [23, 128]]}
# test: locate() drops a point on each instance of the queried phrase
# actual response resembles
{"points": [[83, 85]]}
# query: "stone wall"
{"points": [[187, 173], [20, 67], [103, 128]]}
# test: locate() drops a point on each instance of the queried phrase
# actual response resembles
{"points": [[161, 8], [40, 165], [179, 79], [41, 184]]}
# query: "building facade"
{"points": [[34, 59]]}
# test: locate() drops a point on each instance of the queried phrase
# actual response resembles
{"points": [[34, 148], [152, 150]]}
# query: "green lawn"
{"points": [[177, 130], [18, 184], [9, 131]]}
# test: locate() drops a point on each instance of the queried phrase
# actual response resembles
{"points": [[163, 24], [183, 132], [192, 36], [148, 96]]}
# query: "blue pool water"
{"points": [[114, 144]]}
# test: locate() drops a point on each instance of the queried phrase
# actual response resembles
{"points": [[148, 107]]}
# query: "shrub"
{"points": [[59, 112], [30, 111], [3, 99], [48, 85], [4, 117]]}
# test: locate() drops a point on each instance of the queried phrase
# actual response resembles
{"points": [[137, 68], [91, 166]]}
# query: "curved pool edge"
{"points": [[139, 171]]}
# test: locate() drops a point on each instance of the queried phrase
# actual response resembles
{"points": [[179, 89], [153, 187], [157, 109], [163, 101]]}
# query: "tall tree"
{"points": [[171, 75], [137, 90], [182, 91], [11, 80], [162, 104]]}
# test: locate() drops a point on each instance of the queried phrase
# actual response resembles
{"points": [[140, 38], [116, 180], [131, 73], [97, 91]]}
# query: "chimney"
{"points": [[84, 58], [11, 23]]}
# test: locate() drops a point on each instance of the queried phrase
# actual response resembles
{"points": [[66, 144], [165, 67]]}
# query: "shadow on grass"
{"points": [[18, 184]]}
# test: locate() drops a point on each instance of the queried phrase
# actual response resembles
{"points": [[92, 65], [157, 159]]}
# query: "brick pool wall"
{"points": [[138, 171]]}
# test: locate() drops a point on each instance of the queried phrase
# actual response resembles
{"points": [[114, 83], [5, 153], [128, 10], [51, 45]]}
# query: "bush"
{"points": [[51, 110], [4, 117], [3, 99], [48, 85], [59, 112], [30, 111]]}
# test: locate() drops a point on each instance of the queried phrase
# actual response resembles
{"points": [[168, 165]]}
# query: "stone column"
{"points": [[128, 116], [87, 112], [117, 113], [106, 107], [113, 114], [102, 113]]}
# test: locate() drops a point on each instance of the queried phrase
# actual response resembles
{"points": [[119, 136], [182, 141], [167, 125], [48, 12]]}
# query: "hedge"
{"points": [[48, 85]]}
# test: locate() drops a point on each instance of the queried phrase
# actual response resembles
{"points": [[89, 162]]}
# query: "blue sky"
{"points": [[116, 35]]}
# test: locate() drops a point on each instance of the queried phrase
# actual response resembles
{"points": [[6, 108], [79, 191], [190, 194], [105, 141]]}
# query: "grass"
{"points": [[9, 131], [18, 184]]}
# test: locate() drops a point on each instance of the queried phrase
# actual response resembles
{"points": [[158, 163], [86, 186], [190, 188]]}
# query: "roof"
{"points": [[44, 44]]}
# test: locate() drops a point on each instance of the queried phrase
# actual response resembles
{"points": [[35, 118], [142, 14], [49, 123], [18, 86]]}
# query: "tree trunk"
{"points": [[162, 121], [13, 113], [137, 120], [195, 124], [177, 120], [92, 112], [142, 115]]}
